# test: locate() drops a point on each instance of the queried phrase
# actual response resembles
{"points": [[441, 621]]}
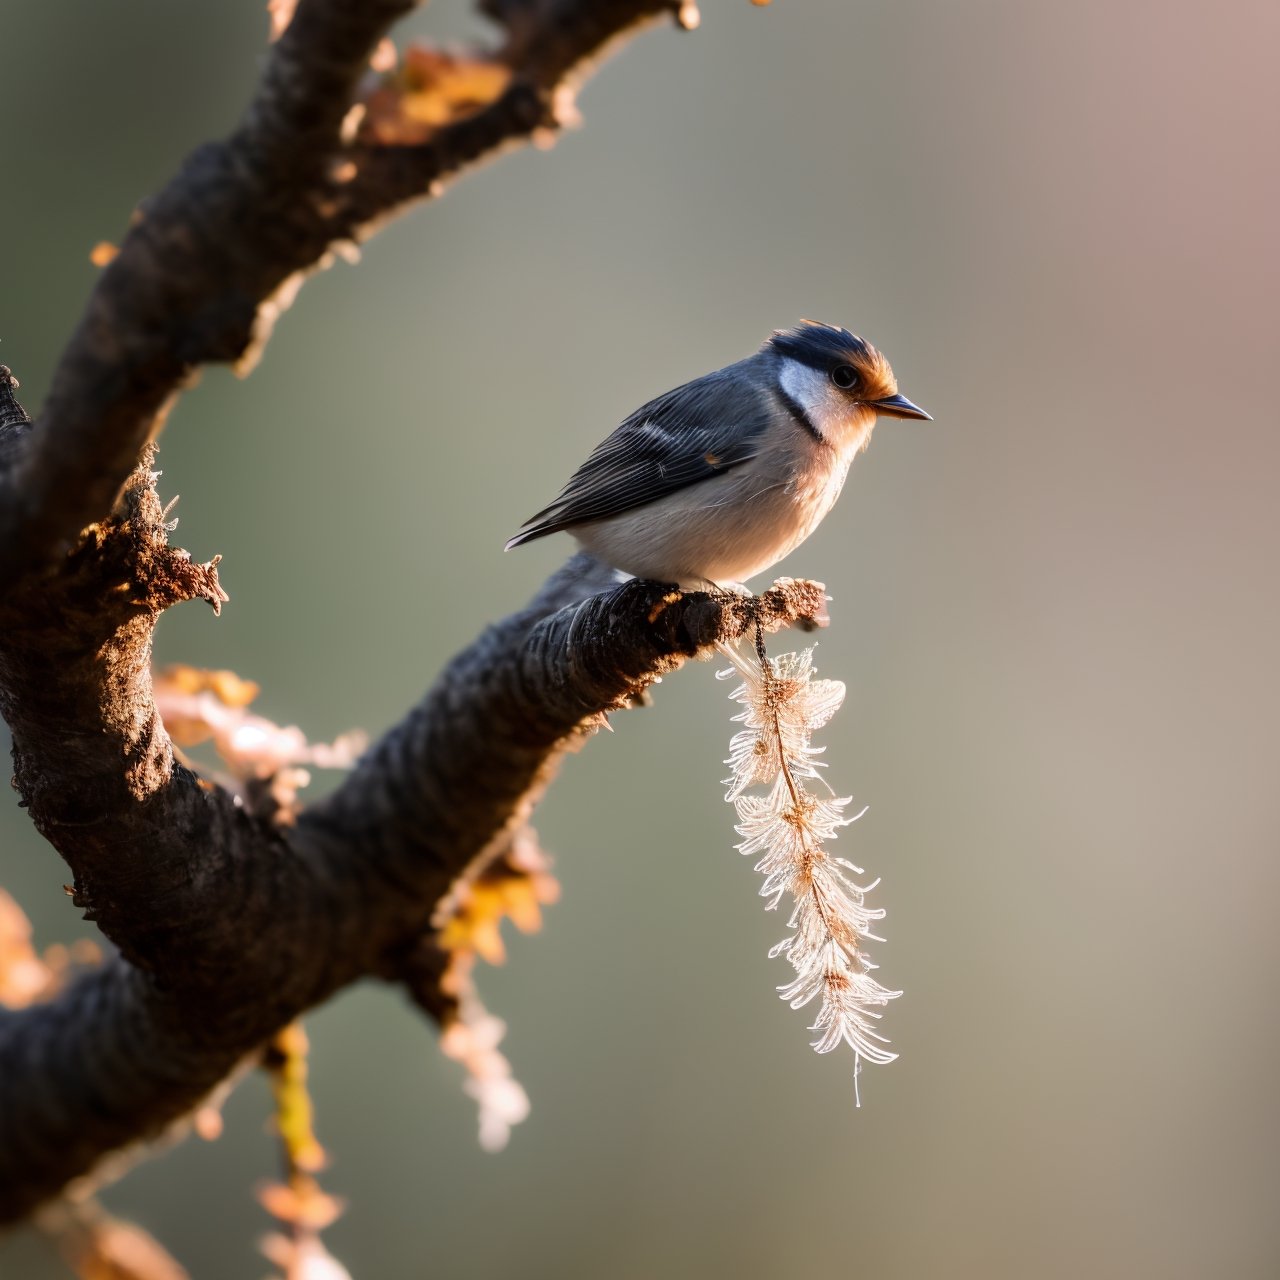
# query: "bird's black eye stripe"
{"points": [[844, 376]]}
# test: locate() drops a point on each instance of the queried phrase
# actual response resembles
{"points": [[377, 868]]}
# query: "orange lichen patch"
{"points": [[516, 884], [226, 686], [672, 597], [512, 891], [24, 977], [286, 1060], [429, 89], [299, 1203], [102, 253]]}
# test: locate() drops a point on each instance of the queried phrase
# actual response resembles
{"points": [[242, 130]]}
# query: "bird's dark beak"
{"points": [[899, 407]]}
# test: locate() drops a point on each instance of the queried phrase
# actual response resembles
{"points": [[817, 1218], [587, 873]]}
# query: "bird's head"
{"points": [[841, 381]]}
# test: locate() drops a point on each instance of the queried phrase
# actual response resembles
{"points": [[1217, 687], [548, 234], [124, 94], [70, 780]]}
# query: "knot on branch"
{"points": [[133, 546], [75, 657], [121, 572]]}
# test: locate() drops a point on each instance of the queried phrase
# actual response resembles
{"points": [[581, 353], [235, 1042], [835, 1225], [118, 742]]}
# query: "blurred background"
{"points": [[1055, 608]]}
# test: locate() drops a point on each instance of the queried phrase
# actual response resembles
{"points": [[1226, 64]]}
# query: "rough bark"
{"points": [[213, 258], [227, 925]]}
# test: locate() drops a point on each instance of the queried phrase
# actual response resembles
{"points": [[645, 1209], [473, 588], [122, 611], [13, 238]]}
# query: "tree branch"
{"points": [[211, 261], [227, 925]]}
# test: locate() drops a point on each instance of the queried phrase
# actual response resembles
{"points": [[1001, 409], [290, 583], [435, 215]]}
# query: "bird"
{"points": [[717, 480]]}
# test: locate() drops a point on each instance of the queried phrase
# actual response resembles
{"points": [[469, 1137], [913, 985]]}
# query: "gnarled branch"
{"points": [[227, 925], [212, 259]]}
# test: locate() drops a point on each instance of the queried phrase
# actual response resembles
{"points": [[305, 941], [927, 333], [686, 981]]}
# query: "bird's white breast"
{"points": [[732, 527]]}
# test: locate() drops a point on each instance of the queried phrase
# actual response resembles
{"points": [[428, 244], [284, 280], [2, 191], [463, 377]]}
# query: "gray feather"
{"points": [[688, 436]]}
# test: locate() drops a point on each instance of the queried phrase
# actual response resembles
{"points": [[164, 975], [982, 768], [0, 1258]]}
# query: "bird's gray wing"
{"points": [[694, 433]]}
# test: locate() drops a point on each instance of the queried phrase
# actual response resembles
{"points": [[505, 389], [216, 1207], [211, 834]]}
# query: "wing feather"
{"points": [[690, 435]]}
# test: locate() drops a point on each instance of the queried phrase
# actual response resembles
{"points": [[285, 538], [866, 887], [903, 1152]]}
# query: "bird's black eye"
{"points": [[844, 376]]}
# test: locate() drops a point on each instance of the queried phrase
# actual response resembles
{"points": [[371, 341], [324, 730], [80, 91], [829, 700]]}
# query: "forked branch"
{"points": [[228, 925], [212, 259]]}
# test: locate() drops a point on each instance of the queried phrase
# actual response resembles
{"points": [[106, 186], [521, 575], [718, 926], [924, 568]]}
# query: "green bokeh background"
{"points": [[1055, 608]]}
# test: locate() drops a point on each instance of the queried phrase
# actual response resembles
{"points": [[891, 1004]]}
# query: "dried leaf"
{"points": [[430, 88], [264, 759]]}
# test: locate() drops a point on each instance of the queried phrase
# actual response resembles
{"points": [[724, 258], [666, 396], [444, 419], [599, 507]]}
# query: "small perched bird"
{"points": [[719, 479]]}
